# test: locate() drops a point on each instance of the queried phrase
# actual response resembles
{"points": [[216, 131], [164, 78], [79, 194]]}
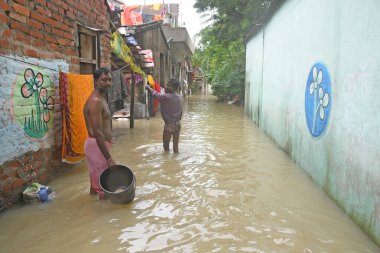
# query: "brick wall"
{"points": [[48, 29], [38, 35]]}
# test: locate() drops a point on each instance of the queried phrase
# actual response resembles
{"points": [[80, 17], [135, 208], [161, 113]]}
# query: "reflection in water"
{"points": [[230, 189]]}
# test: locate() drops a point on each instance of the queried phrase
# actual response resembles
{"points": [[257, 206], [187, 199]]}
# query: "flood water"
{"points": [[230, 189]]}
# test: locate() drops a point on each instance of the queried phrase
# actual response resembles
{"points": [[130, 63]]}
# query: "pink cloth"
{"points": [[96, 162]]}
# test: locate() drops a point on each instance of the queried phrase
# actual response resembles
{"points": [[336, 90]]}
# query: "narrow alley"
{"points": [[230, 189]]}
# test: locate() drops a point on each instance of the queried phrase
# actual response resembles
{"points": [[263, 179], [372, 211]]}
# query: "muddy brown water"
{"points": [[230, 189]]}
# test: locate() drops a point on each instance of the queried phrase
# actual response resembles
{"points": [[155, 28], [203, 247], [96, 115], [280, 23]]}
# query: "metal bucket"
{"points": [[118, 183]]}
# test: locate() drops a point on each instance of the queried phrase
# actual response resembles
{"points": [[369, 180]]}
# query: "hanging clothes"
{"points": [[157, 87], [74, 91], [117, 93]]}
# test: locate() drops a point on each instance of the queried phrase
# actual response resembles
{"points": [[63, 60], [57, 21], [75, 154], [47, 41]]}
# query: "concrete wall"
{"points": [[38, 38], [312, 84]]}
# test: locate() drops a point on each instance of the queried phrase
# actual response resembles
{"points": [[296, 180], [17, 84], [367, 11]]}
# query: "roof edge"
{"points": [[264, 19]]}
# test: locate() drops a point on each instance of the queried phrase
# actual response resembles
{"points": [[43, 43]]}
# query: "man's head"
{"points": [[102, 79], [172, 84]]}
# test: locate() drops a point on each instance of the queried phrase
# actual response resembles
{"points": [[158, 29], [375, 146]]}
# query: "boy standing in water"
{"points": [[98, 122], [171, 112]]}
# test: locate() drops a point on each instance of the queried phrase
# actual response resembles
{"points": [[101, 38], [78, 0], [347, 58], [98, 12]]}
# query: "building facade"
{"points": [[38, 39]]}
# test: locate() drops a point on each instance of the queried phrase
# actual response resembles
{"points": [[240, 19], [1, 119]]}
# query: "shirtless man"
{"points": [[98, 122]]}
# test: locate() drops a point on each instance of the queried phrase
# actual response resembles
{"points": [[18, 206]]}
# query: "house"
{"points": [[156, 28], [181, 48], [312, 84], [200, 81], [38, 39]]}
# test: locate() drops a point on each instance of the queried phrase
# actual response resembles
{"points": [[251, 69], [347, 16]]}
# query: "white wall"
{"points": [[344, 36]]}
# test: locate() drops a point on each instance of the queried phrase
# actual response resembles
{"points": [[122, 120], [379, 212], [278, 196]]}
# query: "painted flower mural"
{"points": [[47, 104], [317, 99], [32, 103]]}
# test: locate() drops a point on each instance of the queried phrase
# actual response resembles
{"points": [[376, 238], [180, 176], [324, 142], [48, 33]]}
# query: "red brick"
{"points": [[64, 5], [52, 7], [38, 155], [38, 43], [18, 17], [7, 188], [14, 164], [68, 36], [70, 15], [45, 55], [51, 22], [68, 22], [74, 60], [47, 28], [21, 37], [61, 11], [7, 33], [18, 26], [21, 9], [57, 16], [57, 32], [31, 52], [44, 11], [63, 42], [70, 2], [4, 43], [55, 47], [17, 183], [37, 16], [66, 28], [71, 51], [3, 18], [27, 158], [50, 39], [43, 178], [4, 6], [16, 48], [34, 23], [38, 164], [36, 34], [23, 2], [41, 2]]}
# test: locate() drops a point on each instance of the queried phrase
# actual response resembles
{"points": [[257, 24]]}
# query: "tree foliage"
{"points": [[221, 50]]}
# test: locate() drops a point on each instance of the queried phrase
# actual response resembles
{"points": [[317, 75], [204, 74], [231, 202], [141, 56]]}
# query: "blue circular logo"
{"points": [[318, 99]]}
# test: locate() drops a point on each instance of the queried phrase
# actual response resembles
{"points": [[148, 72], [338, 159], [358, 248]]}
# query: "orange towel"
{"points": [[74, 91]]}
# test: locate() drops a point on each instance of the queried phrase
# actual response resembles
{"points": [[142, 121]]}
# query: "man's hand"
{"points": [[111, 162], [147, 87]]}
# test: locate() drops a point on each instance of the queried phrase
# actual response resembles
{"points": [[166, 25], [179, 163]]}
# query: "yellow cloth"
{"points": [[80, 88], [156, 7], [74, 91], [122, 51], [151, 81]]}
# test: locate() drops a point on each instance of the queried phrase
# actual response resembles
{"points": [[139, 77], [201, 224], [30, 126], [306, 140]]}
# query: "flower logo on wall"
{"points": [[318, 99], [32, 103]]}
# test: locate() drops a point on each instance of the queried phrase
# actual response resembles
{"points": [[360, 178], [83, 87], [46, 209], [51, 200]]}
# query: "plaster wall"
{"points": [[343, 37], [16, 137]]}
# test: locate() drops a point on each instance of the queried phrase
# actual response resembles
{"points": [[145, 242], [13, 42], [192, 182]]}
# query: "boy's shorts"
{"points": [[172, 127]]}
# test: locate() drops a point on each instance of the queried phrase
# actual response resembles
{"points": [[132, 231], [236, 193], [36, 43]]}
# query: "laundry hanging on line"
{"points": [[74, 90]]}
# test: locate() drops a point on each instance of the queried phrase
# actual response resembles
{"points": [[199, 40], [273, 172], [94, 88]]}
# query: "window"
{"points": [[88, 50]]}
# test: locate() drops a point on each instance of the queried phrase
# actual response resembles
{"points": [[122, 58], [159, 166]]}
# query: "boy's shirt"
{"points": [[171, 106]]}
